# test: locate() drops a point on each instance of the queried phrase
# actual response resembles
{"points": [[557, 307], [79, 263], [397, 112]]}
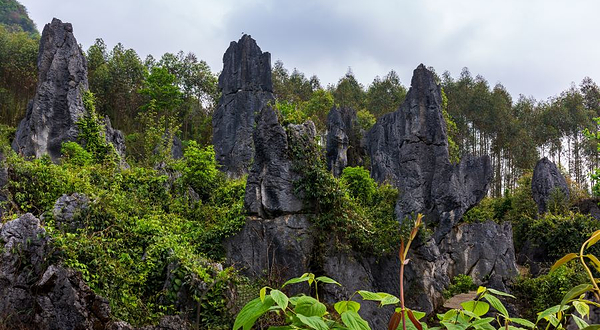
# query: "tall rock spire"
{"points": [[246, 87]]}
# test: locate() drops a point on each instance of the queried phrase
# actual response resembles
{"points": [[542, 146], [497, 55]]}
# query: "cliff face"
{"points": [[246, 87]]}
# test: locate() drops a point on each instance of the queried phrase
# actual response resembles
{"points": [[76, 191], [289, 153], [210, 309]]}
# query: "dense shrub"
{"points": [[460, 284]]}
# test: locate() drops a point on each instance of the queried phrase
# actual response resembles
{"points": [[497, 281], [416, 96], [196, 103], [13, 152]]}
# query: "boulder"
{"points": [[409, 149], [58, 102], [270, 189], [246, 87], [68, 211], [343, 140], [546, 180]]}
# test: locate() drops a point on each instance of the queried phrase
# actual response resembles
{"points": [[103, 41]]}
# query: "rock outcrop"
{"points": [[409, 149], [246, 87], [58, 102], [546, 180], [343, 140], [270, 190], [68, 211]]}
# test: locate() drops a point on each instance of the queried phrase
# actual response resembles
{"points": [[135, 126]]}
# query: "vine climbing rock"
{"points": [[246, 87], [546, 180], [343, 140], [409, 149], [58, 101]]}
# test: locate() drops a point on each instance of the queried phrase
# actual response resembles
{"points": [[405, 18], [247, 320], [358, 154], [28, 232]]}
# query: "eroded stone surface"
{"points": [[344, 147]]}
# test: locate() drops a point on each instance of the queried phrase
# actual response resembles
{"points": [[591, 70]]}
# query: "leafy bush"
{"points": [[359, 183], [460, 284], [199, 169], [73, 153]]}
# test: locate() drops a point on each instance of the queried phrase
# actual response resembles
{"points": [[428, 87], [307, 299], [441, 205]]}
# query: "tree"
{"points": [[385, 95]]}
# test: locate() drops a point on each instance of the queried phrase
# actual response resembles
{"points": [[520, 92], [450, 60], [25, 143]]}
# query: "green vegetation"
{"points": [[460, 284], [13, 15], [142, 227]]}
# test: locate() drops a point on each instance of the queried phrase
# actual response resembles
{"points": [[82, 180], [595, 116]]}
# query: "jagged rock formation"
{"points": [[270, 190], [58, 104], [546, 179], [409, 149], [246, 87], [343, 140]]}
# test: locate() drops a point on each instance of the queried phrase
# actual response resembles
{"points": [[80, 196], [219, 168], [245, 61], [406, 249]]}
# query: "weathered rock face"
{"points": [[246, 88], [343, 140], [57, 105], [281, 246], [270, 190], [409, 149], [546, 179]]}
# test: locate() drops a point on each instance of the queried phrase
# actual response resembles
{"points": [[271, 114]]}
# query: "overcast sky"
{"points": [[533, 47]]}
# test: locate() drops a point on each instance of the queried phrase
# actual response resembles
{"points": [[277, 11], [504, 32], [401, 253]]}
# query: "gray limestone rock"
{"points": [[546, 179], [270, 190], [68, 211], [409, 149], [3, 182], [58, 102], [246, 87], [343, 140], [281, 247]]}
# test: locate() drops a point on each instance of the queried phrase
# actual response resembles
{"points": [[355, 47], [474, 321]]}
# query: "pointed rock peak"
{"points": [[245, 67]]}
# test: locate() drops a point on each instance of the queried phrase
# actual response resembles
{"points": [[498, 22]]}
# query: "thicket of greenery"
{"points": [[13, 16]]}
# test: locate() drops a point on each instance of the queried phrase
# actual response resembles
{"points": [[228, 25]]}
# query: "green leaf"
{"points": [[342, 306], [418, 315], [594, 238], [551, 311], [482, 322], [251, 312], [594, 260], [478, 308], [327, 280], [452, 326], [295, 280], [495, 302], [368, 295], [562, 261], [592, 327], [449, 315], [500, 293], [280, 298], [309, 306], [314, 322], [524, 322], [576, 292], [582, 308], [580, 322], [263, 293], [354, 322]]}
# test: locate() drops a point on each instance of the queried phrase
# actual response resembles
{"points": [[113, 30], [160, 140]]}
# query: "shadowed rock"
{"points": [[546, 179], [246, 87], [3, 182], [270, 190], [343, 140], [409, 149]]}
